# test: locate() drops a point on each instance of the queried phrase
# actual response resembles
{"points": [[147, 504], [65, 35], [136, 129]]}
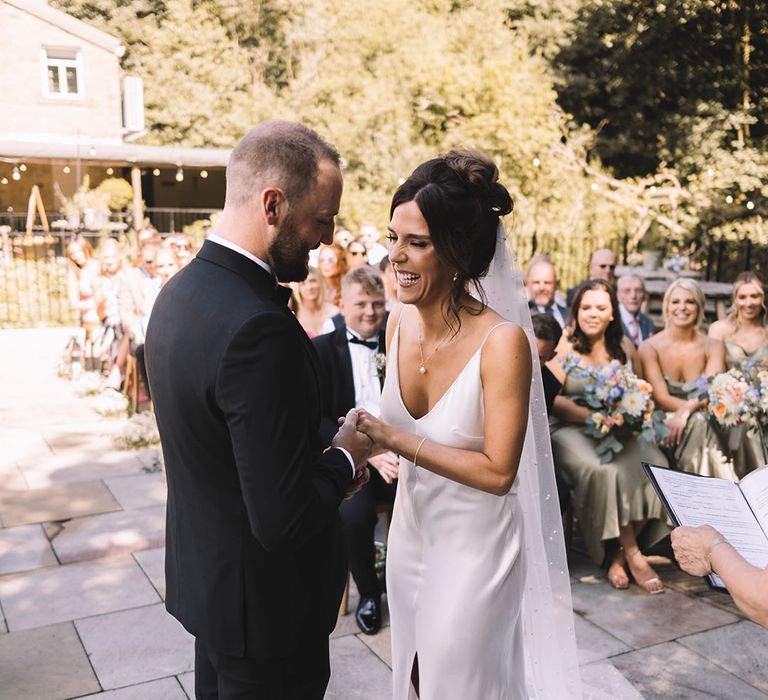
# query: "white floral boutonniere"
{"points": [[380, 361]]}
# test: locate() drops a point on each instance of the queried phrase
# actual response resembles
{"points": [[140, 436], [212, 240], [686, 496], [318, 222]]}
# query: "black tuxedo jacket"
{"points": [[255, 563], [336, 379]]}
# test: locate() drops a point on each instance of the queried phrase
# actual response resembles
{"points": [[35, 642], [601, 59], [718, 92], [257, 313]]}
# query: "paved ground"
{"points": [[81, 582]]}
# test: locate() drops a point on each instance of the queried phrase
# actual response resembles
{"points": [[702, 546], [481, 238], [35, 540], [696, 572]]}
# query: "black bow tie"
{"points": [[370, 344]]}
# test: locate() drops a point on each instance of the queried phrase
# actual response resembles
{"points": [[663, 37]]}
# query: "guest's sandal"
{"points": [[652, 584], [617, 576]]}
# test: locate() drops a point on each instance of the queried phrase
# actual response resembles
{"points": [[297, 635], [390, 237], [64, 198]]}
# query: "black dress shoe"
{"points": [[368, 615]]}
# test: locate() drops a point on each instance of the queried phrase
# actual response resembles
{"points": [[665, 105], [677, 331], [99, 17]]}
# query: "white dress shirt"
{"points": [[364, 374], [238, 249]]}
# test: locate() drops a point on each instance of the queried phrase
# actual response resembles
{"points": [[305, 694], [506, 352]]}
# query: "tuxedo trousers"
{"points": [[358, 517], [303, 676]]}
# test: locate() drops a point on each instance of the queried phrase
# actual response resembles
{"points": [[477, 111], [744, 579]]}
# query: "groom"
{"points": [[254, 550]]}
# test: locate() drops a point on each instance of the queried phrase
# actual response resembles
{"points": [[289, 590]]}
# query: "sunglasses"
{"points": [[607, 267], [356, 252]]}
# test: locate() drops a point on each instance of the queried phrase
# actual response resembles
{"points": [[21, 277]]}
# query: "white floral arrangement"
{"points": [[380, 361], [110, 404], [140, 431], [89, 384]]}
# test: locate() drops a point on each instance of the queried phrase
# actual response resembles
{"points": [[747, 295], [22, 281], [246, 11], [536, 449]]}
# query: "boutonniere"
{"points": [[380, 360]]}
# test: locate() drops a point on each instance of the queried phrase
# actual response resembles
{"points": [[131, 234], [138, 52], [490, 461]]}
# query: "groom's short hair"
{"points": [[278, 154]]}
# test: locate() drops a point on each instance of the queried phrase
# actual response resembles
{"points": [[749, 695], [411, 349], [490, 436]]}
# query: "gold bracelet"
{"points": [[712, 545], [416, 454]]}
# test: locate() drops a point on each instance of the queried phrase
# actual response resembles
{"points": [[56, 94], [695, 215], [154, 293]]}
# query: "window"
{"points": [[63, 73]]}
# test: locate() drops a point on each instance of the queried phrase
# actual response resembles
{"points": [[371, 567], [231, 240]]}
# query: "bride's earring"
{"points": [[455, 276]]}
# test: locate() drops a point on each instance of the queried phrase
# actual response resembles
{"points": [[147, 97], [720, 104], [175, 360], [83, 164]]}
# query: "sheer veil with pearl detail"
{"points": [[551, 668]]}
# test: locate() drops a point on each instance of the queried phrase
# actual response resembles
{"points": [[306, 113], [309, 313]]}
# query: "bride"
{"points": [[476, 577]]}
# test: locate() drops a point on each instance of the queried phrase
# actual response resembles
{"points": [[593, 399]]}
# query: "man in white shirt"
{"points": [[631, 293], [369, 235], [352, 373], [541, 283]]}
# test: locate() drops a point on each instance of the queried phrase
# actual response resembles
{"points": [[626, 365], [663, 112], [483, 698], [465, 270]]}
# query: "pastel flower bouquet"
{"points": [[756, 373], [733, 397], [623, 407]]}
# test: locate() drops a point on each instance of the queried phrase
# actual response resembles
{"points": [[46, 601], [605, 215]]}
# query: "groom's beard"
{"points": [[287, 255]]}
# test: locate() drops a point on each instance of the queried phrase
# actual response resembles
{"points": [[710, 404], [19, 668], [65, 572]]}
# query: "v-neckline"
{"points": [[445, 393]]}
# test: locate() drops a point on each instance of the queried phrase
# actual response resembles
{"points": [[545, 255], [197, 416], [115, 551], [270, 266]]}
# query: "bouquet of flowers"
{"points": [[733, 400], [623, 407], [756, 373]]}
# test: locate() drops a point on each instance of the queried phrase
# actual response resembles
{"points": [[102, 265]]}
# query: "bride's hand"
{"points": [[375, 428]]}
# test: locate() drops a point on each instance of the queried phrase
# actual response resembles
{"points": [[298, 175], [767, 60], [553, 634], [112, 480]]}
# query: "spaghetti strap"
{"points": [[503, 323]]}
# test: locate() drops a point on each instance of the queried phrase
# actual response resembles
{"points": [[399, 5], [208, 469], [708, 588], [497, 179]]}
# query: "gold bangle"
{"points": [[416, 454], [712, 545]]}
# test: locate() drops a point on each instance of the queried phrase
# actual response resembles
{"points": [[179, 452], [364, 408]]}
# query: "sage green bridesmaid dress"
{"points": [[703, 447], [606, 496], [747, 444]]}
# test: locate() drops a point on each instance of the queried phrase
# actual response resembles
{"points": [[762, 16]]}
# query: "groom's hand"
{"points": [[351, 439]]}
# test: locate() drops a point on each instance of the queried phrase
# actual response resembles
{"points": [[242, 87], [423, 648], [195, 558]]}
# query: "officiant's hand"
{"points": [[353, 440], [692, 546]]}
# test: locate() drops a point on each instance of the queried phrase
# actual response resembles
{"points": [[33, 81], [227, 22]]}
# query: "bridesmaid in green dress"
{"points": [[672, 358], [613, 501], [746, 341]]}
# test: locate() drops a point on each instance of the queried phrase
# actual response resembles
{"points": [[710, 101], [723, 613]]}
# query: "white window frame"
{"points": [[48, 58]]}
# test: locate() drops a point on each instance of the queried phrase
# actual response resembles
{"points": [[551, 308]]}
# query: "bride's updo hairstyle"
{"points": [[461, 200]]}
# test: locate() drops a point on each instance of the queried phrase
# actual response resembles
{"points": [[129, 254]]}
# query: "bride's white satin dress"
{"points": [[455, 560]]}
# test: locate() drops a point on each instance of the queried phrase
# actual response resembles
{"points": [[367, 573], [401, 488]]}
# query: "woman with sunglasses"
{"points": [[356, 254]]}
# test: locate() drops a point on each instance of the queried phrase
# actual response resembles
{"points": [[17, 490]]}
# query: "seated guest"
{"points": [[352, 377], [113, 346], [82, 273], [671, 359], [138, 288], [355, 254], [343, 237], [389, 276], [612, 501], [369, 235], [703, 550], [548, 333], [331, 264], [181, 245], [602, 266], [309, 305], [630, 290], [745, 334], [541, 283]]}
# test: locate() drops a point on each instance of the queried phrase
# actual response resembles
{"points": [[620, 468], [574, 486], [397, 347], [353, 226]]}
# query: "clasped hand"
{"points": [[381, 458], [359, 445]]}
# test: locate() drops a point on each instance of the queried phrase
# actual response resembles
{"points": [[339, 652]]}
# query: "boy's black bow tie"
{"points": [[371, 344]]}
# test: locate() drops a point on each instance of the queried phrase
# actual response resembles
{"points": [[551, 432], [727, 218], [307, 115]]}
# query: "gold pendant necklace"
{"points": [[423, 365]]}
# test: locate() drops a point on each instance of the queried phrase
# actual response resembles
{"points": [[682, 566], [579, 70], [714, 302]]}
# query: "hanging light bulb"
{"points": [[203, 174], [536, 162], [179, 175], [66, 170], [15, 174], [156, 172], [23, 168], [750, 205], [4, 181], [92, 150], [729, 199], [110, 171]]}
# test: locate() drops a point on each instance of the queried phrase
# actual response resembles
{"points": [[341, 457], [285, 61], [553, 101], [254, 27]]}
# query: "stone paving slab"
{"points": [[187, 681], [152, 562], [57, 502], [97, 536], [47, 663], [607, 679], [11, 479], [164, 689], [639, 619], [139, 491], [741, 648], [669, 671], [594, 643], [70, 592], [23, 548], [68, 468], [357, 673], [134, 646], [380, 644], [68, 440]]}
